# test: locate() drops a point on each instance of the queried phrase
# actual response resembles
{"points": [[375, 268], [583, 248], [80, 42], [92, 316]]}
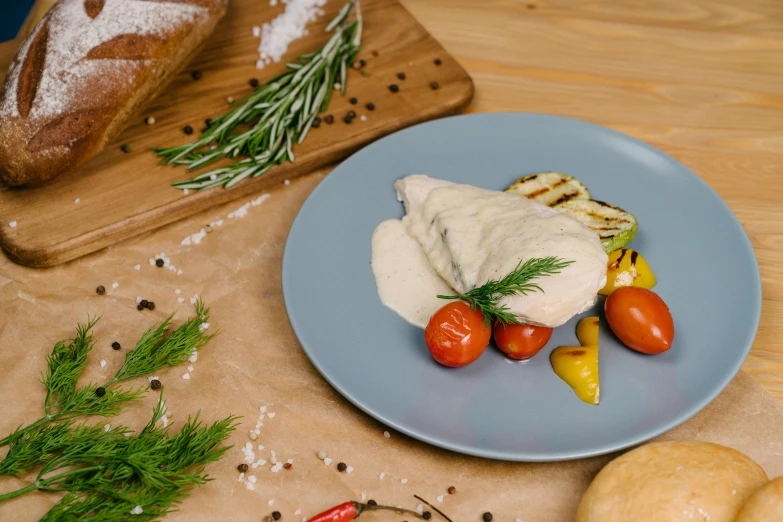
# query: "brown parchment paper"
{"points": [[257, 361]]}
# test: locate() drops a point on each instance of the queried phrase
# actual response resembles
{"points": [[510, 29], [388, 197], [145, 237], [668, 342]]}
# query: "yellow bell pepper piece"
{"points": [[578, 367], [587, 331], [627, 267]]}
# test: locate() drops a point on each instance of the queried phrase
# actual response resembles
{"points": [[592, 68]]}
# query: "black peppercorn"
{"points": [[329, 119], [487, 517], [362, 63], [100, 290], [437, 61], [155, 384], [347, 119], [276, 515], [143, 303], [208, 122], [341, 467], [196, 75], [159, 263], [254, 82], [126, 148], [370, 106], [116, 345], [139, 307], [150, 306], [371, 502], [352, 114], [100, 391], [434, 86], [316, 122], [394, 88], [426, 515], [242, 467], [187, 129], [401, 75], [452, 490], [353, 101], [164, 467]]}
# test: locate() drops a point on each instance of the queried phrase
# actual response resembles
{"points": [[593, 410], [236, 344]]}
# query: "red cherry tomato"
{"points": [[640, 319], [457, 335], [521, 341]]}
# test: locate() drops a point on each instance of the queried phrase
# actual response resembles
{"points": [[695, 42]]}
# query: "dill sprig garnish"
{"points": [[281, 111], [486, 297], [153, 352]]}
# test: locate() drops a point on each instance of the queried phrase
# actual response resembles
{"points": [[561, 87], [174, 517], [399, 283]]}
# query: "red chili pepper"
{"points": [[342, 513]]}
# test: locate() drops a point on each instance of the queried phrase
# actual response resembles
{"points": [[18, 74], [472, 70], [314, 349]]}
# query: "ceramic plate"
{"points": [[493, 408]]}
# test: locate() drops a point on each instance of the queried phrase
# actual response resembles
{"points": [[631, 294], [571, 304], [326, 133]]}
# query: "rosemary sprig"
{"points": [[283, 111], [153, 352], [485, 298]]}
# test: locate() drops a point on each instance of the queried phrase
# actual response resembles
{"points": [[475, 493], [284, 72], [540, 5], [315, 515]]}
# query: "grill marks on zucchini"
{"points": [[549, 188], [614, 226]]}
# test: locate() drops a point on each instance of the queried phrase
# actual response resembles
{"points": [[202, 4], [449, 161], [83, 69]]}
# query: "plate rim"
{"points": [[553, 456]]}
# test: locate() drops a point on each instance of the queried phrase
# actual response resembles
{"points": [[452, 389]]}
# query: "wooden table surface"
{"points": [[700, 79]]}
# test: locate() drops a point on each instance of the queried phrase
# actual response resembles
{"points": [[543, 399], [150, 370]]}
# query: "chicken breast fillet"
{"points": [[473, 235]]}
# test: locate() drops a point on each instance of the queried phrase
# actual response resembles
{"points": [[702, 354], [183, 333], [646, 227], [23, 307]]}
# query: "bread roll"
{"points": [[670, 482], [84, 71], [766, 504]]}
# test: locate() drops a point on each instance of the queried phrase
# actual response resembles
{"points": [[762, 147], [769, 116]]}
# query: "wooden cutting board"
{"points": [[124, 194]]}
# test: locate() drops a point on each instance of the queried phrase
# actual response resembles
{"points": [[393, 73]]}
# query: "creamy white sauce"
{"points": [[472, 235], [404, 276]]}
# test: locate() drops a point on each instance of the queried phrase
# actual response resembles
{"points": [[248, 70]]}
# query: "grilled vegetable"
{"points": [[615, 226], [627, 267], [550, 188], [578, 367]]}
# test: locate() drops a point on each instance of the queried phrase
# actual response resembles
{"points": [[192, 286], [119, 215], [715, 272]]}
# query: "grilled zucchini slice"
{"points": [[615, 226], [550, 188]]}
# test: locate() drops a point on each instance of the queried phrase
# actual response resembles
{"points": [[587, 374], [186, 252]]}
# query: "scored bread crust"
{"points": [[86, 70]]}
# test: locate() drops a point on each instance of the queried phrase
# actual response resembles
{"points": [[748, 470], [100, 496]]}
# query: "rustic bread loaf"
{"points": [[85, 71]]}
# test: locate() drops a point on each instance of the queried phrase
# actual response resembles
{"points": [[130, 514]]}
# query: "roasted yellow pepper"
{"points": [[627, 267], [578, 365]]}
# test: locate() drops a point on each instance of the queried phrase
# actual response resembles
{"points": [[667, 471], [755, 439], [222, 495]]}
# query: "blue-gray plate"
{"points": [[703, 261]]}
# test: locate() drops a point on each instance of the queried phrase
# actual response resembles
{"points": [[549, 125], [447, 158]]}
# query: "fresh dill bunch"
{"points": [[153, 353], [108, 475], [485, 298]]}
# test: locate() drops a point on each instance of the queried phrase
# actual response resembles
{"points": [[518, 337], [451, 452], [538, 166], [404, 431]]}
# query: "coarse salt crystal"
{"points": [[190, 368], [298, 512], [349, 469], [287, 182], [251, 487], [252, 478], [272, 501], [262, 409], [194, 299], [138, 299], [136, 511], [364, 496], [285, 28], [151, 378], [518, 520], [179, 272], [290, 461], [304, 519], [271, 415], [177, 291], [12, 224], [103, 363], [137, 267], [107, 427], [439, 498], [733, 491], [404, 481], [327, 461], [420, 509], [186, 376], [193, 357], [386, 434], [241, 476], [180, 299], [248, 445], [363, 117], [77, 201], [381, 475], [321, 455], [186, 192], [261, 462], [115, 284], [260, 447], [152, 260], [256, 31], [203, 326]]}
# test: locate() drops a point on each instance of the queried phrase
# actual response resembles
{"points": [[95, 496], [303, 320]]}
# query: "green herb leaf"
{"points": [[486, 297]]}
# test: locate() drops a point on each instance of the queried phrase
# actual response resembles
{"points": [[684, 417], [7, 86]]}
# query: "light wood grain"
{"points": [[123, 195], [699, 79]]}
